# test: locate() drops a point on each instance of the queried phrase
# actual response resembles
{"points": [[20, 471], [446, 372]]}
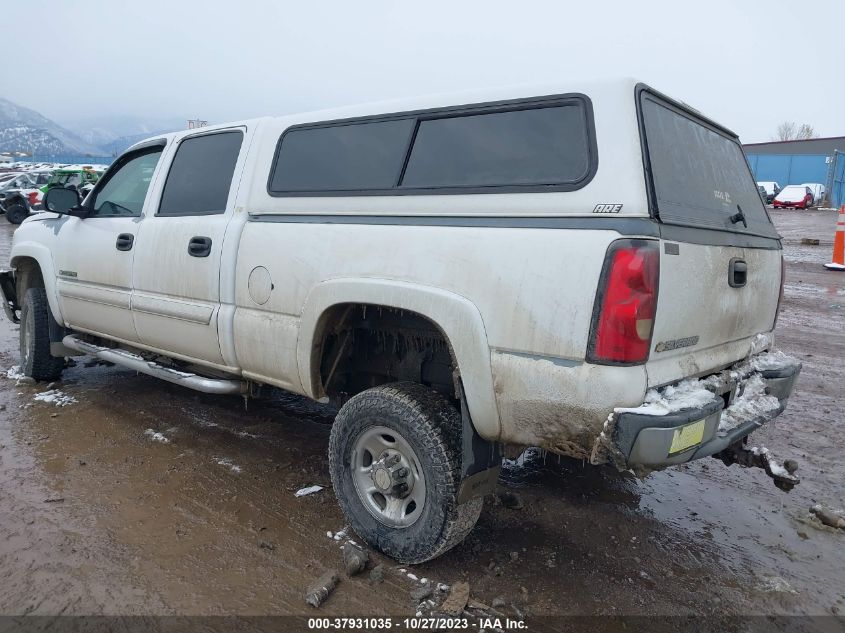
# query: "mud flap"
{"points": [[9, 291], [783, 475], [481, 461], [57, 334]]}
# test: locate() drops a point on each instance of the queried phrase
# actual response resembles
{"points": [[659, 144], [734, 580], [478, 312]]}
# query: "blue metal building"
{"points": [[796, 162]]}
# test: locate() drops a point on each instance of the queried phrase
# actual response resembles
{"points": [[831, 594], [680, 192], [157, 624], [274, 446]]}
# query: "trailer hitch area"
{"points": [[754, 457]]}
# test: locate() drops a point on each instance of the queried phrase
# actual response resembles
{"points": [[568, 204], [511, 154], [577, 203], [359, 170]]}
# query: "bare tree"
{"points": [[806, 131], [786, 131], [789, 131]]}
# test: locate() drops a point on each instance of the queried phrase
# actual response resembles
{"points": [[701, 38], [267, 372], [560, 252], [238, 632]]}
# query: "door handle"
{"points": [[199, 246], [124, 242], [737, 273]]}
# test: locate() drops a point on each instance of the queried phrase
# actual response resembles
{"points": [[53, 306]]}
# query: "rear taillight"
{"points": [[626, 302], [33, 197], [782, 282]]}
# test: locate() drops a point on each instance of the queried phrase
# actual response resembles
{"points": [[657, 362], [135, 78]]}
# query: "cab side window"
{"points": [[201, 175], [123, 190]]}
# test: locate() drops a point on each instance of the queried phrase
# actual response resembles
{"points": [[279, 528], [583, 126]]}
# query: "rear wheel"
{"points": [[394, 455], [16, 213], [36, 360]]}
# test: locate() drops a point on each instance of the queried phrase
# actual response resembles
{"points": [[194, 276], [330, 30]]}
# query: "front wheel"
{"points": [[395, 457], [36, 359], [16, 213]]}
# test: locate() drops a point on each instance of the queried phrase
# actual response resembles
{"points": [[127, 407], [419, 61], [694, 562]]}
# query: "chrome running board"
{"points": [[133, 361]]}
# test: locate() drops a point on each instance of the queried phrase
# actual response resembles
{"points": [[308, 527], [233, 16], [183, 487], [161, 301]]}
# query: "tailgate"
{"points": [[698, 309], [720, 261]]}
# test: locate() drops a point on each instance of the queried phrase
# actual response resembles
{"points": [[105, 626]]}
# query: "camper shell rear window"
{"points": [[541, 144], [698, 174]]}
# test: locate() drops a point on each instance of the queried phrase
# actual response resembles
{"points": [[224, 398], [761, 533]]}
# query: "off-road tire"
{"points": [[432, 426], [17, 213], [36, 360]]}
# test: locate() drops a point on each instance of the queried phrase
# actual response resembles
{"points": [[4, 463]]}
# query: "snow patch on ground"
{"points": [[155, 436], [14, 373], [56, 397], [687, 394], [753, 403], [775, 584], [228, 463], [339, 535], [310, 490]]}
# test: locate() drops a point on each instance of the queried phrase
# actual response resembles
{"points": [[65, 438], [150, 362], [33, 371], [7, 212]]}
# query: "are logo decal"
{"points": [[607, 208], [678, 343]]}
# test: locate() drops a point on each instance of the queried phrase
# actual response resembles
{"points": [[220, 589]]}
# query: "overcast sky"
{"points": [[230, 59]]}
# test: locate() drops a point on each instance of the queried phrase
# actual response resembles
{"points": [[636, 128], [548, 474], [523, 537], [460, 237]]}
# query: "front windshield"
{"points": [[59, 178]]}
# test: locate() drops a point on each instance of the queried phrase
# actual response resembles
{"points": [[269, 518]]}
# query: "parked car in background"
{"points": [[18, 204], [17, 181], [72, 177], [20, 196], [797, 196], [6, 177], [763, 193], [772, 189], [818, 191]]}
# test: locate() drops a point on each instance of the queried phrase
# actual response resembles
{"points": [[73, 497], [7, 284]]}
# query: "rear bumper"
{"points": [[745, 396]]}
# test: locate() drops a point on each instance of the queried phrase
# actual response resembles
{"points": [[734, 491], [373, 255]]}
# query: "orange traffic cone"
{"points": [[838, 262]]}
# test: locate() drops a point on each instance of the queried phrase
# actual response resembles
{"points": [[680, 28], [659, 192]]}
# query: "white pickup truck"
{"points": [[588, 269]]}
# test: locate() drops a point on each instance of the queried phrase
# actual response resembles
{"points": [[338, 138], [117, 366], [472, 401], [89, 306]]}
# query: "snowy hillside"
{"points": [[25, 130]]}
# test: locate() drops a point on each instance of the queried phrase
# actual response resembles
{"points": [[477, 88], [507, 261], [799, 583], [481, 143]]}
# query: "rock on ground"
{"points": [[422, 592], [355, 559], [456, 602], [377, 574], [320, 590], [828, 516]]}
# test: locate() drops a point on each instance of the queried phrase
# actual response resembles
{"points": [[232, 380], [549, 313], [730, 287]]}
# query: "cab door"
{"points": [[176, 272], [94, 255]]}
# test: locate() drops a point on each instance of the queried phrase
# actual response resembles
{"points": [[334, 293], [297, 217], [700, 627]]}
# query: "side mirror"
{"points": [[61, 200]]}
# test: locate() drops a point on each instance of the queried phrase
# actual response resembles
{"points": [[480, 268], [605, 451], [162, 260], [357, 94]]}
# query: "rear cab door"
{"points": [[720, 256], [176, 298]]}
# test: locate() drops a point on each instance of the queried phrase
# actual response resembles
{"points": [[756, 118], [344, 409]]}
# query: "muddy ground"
{"points": [[145, 498]]}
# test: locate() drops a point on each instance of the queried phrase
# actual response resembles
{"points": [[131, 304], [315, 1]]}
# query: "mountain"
{"points": [[121, 143], [25, 130], [115, 133]]}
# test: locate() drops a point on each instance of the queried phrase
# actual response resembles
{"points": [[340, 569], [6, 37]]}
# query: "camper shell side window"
{"points": [[539, 144]]}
